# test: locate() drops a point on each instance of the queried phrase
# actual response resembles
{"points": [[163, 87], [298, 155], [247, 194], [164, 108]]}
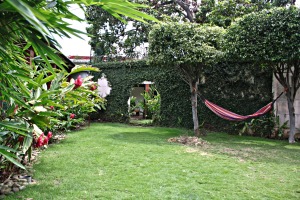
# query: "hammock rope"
{"points": [[228, 115]]}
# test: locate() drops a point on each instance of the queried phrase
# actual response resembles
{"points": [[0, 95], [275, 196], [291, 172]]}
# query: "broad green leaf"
{"points": [[48, 79], [39, 78], [15, 127], [80, 68], [27, 143], [41, 121], [7, 148], [25, 10], [10, 157]]}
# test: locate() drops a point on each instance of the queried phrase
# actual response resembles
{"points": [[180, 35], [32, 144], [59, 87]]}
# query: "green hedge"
{"points": [[236, 87]]}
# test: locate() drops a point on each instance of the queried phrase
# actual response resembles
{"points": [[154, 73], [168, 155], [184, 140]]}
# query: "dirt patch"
{"points": [[241, 154], [189, 141]]}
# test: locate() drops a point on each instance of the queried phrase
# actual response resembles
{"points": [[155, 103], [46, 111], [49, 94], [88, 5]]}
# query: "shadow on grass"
{"points": [[255, 149], [144, 137], [251, 141]]}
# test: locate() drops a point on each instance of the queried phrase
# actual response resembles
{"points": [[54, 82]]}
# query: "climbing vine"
{"points": [[234, 86]]}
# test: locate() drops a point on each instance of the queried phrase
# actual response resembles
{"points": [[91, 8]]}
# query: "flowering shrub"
{"points": [[49, 104]]}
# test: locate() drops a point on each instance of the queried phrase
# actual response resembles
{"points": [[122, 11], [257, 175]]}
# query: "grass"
{"points": [[141, 122], [116, 161]]}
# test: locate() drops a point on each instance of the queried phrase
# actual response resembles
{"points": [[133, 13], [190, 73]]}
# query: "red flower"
{"points": [[52, 107], [49, 135], [78, 82], [21, 139], [93, 87], [72, 115], [39, 141], [45, 142]]}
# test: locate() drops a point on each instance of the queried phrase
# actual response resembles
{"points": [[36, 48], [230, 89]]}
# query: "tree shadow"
{"points": [[144, 137], [255, 149]]}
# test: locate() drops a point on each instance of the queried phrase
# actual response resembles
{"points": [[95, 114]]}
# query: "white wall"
{"points": [[281, 106]]}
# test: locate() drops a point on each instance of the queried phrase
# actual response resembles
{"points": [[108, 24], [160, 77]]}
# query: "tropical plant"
{"points": [[189, 49], [151, 104], [270, 38], [133, 105], [27, 28]]}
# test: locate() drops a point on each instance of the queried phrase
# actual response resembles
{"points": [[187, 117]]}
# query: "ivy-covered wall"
{"points": [[236, 87]]}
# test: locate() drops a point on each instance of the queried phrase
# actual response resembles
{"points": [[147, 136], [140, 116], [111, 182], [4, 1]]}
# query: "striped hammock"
{"points": [[228, 115]]}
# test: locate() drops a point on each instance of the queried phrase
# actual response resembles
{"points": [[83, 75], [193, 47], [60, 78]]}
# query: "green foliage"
{"points": [[152, 103], [225, 12], [271, 39], [184, 45], [261, 127], [189, 48], [46, 109], [268, 37], [234, 86], [30, 25]]}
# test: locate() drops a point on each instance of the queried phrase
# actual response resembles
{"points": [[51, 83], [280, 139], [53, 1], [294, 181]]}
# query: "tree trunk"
{"points": [[291, 108], [194, 101]]}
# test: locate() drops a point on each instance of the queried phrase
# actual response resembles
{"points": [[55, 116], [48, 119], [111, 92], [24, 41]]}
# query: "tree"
{"points": [[271, 38], [189, 48], [111, 37], [222, 13]]}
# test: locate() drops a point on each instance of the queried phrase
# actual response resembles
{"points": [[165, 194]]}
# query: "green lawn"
{"points": [[116, 161]]}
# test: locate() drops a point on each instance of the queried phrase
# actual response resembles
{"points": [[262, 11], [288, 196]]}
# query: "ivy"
{"points": [[235, 86]]}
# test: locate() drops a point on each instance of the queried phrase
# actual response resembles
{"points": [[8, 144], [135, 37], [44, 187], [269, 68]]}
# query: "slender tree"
{"points": [[271, 39], [188, 48]]}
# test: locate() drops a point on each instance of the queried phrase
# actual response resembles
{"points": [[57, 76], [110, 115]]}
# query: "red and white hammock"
{"points": [[228, 115]]}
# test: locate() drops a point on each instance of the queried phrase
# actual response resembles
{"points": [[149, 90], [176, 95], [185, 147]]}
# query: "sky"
{"points": [[80, 47], [75, 46]]}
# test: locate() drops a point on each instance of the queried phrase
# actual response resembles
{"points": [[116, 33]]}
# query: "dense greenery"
{"points": [[115, 161], [271, 39], [189, 49], [113, 38], [232, 85], [36, 94]]}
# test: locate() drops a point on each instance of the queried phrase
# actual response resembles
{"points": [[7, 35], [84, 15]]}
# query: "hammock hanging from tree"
{"points": [[228, 115]]}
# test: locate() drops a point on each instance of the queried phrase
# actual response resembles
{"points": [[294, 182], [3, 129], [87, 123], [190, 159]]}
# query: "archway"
{"points": [[144, 101]]}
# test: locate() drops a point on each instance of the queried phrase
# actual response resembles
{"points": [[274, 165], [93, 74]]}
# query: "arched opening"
{"points": [[144, 102]]}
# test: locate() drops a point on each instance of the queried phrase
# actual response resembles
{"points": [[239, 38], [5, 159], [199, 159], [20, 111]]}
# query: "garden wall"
{"points": [[231, 85], [281, 105]]}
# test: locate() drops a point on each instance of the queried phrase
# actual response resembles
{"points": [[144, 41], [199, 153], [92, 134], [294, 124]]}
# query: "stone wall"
{"points": [[281, 106]]}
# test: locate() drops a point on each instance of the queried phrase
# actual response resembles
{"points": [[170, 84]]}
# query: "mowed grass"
{"points": [[116, 161]]}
